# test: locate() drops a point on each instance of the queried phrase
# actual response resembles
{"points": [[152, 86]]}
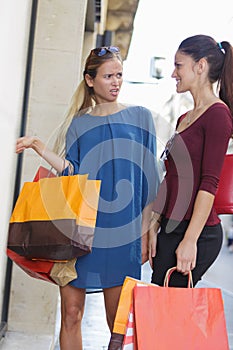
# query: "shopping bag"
{"points": [[37, 269], [223, 202], [130, 340], [179, 318], [64, 272], [43, 172], [34, 268], [119, 336], [60, 273], [54, 218]]}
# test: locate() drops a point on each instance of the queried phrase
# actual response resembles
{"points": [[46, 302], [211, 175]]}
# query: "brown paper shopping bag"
{"points": [[63, 272]]}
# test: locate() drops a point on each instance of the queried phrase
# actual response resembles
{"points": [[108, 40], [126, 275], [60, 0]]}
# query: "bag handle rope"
{"points": [[169, 273]]}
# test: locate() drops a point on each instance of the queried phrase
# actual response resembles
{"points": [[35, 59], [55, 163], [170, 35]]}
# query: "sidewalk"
{"points": [[95, 332]]}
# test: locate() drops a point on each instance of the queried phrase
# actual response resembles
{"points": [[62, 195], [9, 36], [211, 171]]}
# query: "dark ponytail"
{"points": [[220, 59], [225, 82]]}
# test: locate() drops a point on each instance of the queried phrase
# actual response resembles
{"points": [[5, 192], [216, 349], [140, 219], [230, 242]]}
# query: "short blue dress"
{"points": [[120, 150]]}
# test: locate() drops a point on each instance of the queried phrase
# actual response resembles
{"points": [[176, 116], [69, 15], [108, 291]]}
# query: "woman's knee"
{"points": [[72, 315], [72, 307]]}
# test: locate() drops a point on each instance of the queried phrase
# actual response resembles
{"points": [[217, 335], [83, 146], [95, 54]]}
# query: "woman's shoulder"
{"points": [[218, 120], [138, 108], [139, 112], [82, 123], [142, 116], [218, 113], [219, 107]]}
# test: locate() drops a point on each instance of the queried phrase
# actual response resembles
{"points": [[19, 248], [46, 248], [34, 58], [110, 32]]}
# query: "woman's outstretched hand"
{"points": [[24, 142], [33, 142]]}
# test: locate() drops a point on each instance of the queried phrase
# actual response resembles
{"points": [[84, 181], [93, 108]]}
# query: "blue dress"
{"points": [[120, 150]]}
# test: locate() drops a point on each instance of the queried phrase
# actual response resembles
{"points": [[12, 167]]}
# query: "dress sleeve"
{"points": [[217, 132], [72, 149], [150, 165]]}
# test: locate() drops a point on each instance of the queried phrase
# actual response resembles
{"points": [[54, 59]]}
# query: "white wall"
{"points": [[14, 31]]}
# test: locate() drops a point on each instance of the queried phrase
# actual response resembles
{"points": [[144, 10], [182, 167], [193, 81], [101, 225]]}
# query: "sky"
{"points": [[160, 26]]}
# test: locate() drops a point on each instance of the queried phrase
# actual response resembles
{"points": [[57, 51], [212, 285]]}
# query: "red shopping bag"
{"points": [[223, 202], [179, 318], [34, 268], [43, 172]]}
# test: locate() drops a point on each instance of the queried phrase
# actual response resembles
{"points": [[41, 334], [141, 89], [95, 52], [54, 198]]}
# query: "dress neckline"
{"points": [[196, 120], [124, 107]]}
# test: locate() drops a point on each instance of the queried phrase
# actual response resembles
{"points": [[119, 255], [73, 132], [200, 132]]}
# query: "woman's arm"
{"points": [[33, 142], [150, 228], [187, 250], [153, 231], [216, 141], [146, 217]]}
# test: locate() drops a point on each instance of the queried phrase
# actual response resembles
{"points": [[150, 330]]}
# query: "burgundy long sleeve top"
{"points": [[194, 163]]}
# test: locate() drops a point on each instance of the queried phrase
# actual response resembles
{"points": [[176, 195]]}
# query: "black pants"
{"points": [[208, 247]]}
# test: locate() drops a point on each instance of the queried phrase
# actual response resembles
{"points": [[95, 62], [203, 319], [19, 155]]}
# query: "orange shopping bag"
{"points": [[60, 273], [179, 318], [122, 337], [54, 218]]}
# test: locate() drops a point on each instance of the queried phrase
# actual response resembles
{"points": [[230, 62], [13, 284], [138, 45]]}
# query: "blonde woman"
{"points": [[115, 144]]}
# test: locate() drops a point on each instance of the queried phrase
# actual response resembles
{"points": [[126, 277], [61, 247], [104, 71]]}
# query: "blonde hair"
{"points": [[79, 102], [83, 98]]}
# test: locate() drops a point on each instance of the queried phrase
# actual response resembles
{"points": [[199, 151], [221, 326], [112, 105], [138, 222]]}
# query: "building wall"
{"points": [[56, 70], [14, 33]]}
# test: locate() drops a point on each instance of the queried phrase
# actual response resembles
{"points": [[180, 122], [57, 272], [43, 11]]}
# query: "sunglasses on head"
{"points": [[101, 51]]}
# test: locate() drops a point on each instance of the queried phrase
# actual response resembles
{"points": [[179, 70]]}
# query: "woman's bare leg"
{"points": [[72, 308], [111, 299]]}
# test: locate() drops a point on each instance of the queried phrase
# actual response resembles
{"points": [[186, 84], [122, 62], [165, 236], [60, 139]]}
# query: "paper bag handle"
{"points": [[169, 273]]}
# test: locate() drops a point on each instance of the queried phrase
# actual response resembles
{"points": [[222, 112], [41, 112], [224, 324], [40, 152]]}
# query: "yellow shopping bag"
{"points": [[54, 218], [119, 338]]}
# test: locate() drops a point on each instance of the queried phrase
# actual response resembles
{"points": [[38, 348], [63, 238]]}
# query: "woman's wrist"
{"points": [[38, 146], [156, 218]]}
